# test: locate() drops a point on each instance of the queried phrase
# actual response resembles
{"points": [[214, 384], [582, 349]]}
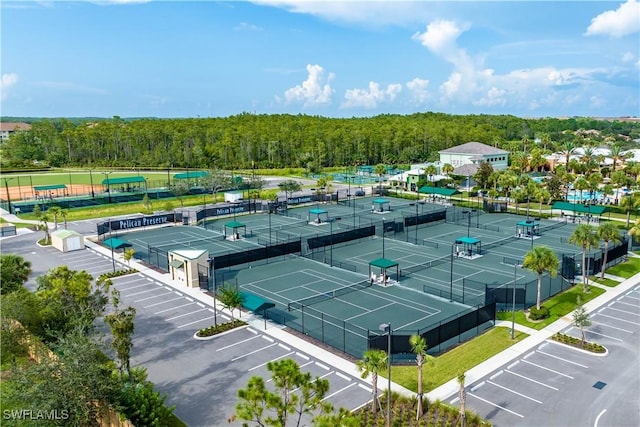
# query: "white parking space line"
{"points": [[268, 338], [612, 327], [155, 296], [322, 366], [199, 304], [284, 347], [626, 303], [253, 368], [172, 308], [177, 293], [621, 320], [162, 302], [632, 297], [237, 343], [189, 299], [343, 376], [252, 352], [624, 311], [304, 356], [595, 424], [603, 335], [195, 321], [547, 369], [561, 358], [532, 380], [338, 391], [513, 391], [185, 314], [131, 288], [496, 405], [140, 293]]}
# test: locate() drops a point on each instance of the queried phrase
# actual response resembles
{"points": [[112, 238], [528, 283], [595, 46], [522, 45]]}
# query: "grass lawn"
{"points": [[626, 269], [606, 282], [558, 305], [462, 358]]}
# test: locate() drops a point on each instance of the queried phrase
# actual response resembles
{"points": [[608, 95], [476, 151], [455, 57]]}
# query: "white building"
{"points": [[6, 129], [475, 153]]}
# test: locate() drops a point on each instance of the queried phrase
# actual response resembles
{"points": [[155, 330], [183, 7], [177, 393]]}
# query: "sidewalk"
{"points": [[534, 339]]}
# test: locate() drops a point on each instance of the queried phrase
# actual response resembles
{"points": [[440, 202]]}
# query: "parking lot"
{"points": [[555, 384], [200, 377]]}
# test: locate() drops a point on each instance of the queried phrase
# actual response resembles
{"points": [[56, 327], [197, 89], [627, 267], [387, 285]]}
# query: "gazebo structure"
{"points": [[380, 206], [467, 247], [441, 193], [125, 184], [318, 216], [529, 229], [383, 278], [578, 212], [234, 226], [43, 192]]}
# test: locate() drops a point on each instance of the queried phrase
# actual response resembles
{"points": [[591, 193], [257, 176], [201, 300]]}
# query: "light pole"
{"points": [[93, 195], [6, 186], [451, 277], [113, 260], [513, 304], [386, 327], [212, 278], [106, 179], [468, 213], [383, 233]]}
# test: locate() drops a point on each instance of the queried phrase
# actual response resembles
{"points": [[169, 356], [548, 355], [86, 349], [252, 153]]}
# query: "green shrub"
{"points": [[535, 314], [221, 327], [117, 273], [577, 342]]}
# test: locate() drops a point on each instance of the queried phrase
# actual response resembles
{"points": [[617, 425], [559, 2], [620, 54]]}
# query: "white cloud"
{"points": [[418, 90], [372, 97], [373, 13], [628, 57], [440, 36], [8, 80], [314, 91], [244, 26], [617, 23]]}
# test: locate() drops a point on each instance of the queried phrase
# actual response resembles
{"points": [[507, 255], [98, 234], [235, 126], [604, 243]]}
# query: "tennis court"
{"points": [[325, 287]]}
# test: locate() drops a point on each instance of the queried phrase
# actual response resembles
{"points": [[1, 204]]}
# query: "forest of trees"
{"points": [[276, 141]]}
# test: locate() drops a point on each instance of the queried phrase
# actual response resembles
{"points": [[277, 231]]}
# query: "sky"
{"points": [[169, 59]]}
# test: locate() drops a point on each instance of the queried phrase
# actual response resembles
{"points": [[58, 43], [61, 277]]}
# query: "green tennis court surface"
{"points": [[333, 289]]}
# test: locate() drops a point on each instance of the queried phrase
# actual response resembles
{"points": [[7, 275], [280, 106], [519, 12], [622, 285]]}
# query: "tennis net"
{"points": [[297, 305]]}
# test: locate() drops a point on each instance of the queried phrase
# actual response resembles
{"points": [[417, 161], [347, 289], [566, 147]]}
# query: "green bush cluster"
{"points": [[577, 342], [535, 314], [117, 273], [220, 327]]}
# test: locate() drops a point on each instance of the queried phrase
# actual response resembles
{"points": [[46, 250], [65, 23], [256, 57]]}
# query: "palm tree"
{"points": [[629, 202], [607, 232], [615, 155], [462, 396], [584, 236], [634, 231], [541, 259], [419, 347], [373, 363], [54, 211], [568, 148], [447, 168], [542, 194], [581, 184], [128, 255], [44, 226]]}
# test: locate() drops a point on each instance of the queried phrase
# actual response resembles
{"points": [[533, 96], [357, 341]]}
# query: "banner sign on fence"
{"points": [[138, 222]]}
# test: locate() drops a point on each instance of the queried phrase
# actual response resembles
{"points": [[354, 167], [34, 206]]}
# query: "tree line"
{"points": [[278, 141]]}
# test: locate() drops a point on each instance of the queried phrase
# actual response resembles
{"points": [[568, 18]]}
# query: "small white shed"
{"points": [[67, 240], [189, 266]]}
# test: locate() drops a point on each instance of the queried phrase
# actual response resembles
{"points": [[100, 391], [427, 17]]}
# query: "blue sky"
{"points": [[338, 59]]}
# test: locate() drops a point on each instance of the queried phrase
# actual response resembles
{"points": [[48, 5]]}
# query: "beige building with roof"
{"points": [[474, 153], [8, 128]]}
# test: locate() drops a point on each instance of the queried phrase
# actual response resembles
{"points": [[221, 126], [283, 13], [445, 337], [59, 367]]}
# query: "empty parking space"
{"points": [[540, 386]]}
